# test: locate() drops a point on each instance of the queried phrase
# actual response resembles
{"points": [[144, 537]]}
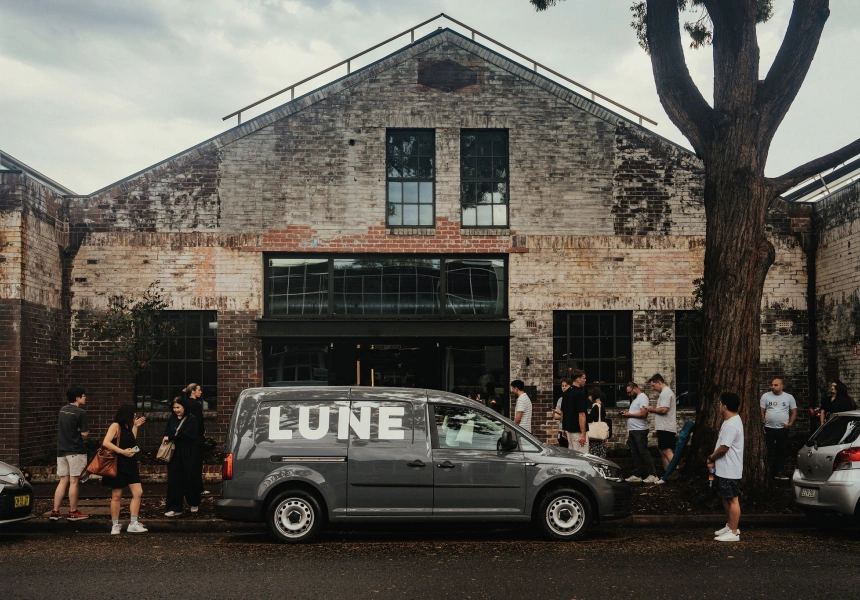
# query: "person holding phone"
{"points": [[124, 427]]}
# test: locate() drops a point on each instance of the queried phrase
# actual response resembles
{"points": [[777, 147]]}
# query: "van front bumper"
{"points": [[615, 500], [239, 510]]}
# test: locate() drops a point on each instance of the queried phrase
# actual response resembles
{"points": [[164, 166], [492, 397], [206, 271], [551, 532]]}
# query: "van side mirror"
{"points": [[508, 441]]}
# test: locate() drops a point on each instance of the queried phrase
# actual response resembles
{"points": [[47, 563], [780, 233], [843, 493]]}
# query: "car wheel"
{"points": [[294, 516], [564, 514]]}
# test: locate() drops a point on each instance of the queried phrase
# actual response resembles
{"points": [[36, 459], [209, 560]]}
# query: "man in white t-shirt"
{"points": [[727, 460], [665, 422], [523, 411], [778, 412], [637, 438]]}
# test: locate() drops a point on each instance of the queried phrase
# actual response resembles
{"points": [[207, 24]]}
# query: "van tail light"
{"points": [[845, 458], [227, 468]]}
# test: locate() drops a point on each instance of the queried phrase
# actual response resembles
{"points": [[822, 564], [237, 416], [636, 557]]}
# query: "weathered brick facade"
{"points": [[604, 215]]}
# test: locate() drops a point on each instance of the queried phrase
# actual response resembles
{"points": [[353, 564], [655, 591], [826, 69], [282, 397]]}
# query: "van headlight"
{"points": [[610, 472]]}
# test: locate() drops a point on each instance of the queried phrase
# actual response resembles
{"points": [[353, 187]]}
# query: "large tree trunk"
{"points": [[737, 259]]}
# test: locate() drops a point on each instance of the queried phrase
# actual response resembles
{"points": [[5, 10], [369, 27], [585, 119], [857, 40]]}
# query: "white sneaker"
{"points": [[660, 481], [194, 509], [650, 479], [116, 529], [728, 536], [173, 513], [136, 527], [722, 531], [633, 479], [205, 493]]}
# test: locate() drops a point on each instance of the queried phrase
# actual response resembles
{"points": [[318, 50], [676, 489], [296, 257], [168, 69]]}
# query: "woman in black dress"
{"points": [[125, 426], [181, 478], [839, 401]]}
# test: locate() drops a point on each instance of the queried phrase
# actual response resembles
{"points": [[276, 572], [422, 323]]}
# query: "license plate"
{"points": [[22, 501], [807, 492]]}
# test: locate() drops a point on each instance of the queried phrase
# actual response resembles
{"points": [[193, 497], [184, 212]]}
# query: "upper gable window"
{"points": [[484, 177], [411, 177]]}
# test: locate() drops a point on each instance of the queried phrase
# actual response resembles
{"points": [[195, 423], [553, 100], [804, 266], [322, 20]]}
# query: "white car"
{"points": [[826, 481], [16, 495]]}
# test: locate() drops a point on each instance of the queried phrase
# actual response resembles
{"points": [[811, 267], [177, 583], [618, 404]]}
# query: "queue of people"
{"points": [[185, 428]]}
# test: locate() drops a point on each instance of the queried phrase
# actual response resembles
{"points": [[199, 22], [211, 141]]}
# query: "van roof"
{"points": [[323, 392]]}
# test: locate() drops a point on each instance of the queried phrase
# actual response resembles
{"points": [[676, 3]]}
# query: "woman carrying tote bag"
{"points": [[181, 478], [125, 426], [597, 414]]}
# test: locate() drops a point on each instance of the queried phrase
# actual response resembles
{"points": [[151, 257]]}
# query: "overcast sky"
{"points": [[95, 90]]}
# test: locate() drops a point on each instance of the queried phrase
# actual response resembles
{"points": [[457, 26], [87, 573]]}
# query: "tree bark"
{"points": [[737, 259]]}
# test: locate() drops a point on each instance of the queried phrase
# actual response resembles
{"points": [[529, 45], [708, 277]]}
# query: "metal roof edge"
{"points": [[16, 165]]}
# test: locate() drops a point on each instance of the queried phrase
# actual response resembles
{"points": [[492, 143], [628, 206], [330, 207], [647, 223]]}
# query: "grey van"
{"points": [[301, 457]]}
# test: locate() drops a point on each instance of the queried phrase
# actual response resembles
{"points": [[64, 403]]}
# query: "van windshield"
{"points": [[837, 431]]}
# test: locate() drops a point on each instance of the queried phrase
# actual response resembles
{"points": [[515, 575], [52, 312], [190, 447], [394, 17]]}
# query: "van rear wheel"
{"points": [[294, 516], [564, 514]]}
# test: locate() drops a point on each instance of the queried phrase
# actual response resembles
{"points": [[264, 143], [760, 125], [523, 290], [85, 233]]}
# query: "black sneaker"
{"points": [[55, 515]]}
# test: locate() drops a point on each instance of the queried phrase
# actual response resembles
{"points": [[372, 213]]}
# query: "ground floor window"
{"points": [[188, 355], [688, 337], [598, 342], [464, 366]]}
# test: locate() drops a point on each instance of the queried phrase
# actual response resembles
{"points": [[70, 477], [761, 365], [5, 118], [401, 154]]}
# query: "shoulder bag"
{"points": [[104, 462], [598, 430], [168, 447]]}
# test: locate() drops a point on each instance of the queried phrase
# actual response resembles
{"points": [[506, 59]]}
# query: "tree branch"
{"points": [[736, 55], [792, 62], [680, 97], [800, 174]]}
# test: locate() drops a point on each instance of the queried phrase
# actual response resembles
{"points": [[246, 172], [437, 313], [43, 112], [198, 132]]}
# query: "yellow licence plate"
{"points": [[22, 501]]}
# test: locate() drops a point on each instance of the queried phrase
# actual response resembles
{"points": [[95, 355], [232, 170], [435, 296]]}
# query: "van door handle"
{"points": [[446, 465], [415, 464]]}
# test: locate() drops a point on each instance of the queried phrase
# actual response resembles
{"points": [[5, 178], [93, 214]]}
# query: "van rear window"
{"points": [[842, 429]]}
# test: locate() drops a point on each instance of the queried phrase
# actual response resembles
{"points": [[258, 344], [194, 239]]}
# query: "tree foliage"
{"points": [[134, 328]]}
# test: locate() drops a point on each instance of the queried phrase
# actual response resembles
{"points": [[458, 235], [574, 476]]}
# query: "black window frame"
{"points": [[442, 313], [466, 179], [165, 359], [688, 343], [389, 179], [572, 359]]}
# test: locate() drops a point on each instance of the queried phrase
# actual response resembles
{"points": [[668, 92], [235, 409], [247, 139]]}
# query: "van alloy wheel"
{"points": [[295, 516], [564, 514]]}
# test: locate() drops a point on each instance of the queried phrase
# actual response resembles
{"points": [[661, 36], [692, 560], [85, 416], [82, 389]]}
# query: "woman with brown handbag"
{"points": [[181, 479], [123, 431]]}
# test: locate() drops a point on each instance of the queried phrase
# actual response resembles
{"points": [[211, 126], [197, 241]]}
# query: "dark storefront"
{"points": [[436, 322]]}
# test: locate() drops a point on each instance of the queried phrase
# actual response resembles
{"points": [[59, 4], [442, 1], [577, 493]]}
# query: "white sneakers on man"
{"points": [[173, 513], [650, 479], [633, 479], [136, 527], [194, 509], [116, 529], [728, 536]]}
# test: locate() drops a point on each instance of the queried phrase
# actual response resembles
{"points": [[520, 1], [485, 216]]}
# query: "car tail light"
{"points": [[845, 458], [227, 467]]}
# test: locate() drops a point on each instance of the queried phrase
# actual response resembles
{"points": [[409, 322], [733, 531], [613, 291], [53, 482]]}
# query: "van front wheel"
{"points": [[294, 516], [564, 514]]}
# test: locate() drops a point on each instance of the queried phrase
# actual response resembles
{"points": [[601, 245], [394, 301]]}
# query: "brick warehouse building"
{"points": [[442, 218]]}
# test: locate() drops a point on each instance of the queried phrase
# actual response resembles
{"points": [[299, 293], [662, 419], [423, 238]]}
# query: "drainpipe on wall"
{"points": [[811, 250]]}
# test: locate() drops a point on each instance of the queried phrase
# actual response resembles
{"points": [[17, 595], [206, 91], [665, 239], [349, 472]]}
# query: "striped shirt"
{"points": [[524, 405]]}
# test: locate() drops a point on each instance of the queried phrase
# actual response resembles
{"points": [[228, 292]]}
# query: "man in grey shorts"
{"points": [[71, 454]]}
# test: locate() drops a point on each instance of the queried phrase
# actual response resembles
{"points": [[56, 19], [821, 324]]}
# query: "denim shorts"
{"points": [[728, 488]]}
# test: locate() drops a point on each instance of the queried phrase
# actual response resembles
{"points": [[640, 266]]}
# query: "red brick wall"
{"points": [[10, 379], [239, 364]]}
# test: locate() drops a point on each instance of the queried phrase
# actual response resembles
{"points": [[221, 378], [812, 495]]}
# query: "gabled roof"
{"points": [[9, 163], [401, 55]]}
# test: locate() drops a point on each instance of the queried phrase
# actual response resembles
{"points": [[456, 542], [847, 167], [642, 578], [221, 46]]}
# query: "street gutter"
{"points": [[43, 525]]}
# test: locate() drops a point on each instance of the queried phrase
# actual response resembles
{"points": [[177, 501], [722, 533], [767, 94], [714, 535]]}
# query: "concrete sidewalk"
{"points": [[91, 490]]}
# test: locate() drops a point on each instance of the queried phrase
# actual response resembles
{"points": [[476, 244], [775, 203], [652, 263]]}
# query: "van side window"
{"points": [[466, 428], [380, 423], [301, 424]]}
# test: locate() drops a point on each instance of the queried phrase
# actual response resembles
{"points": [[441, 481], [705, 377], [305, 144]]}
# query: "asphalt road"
{"points": [[407, 562]]}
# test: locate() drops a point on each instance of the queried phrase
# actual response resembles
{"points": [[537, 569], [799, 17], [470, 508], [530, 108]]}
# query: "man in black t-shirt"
{"points": [[72, 428], [574, 410]]}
